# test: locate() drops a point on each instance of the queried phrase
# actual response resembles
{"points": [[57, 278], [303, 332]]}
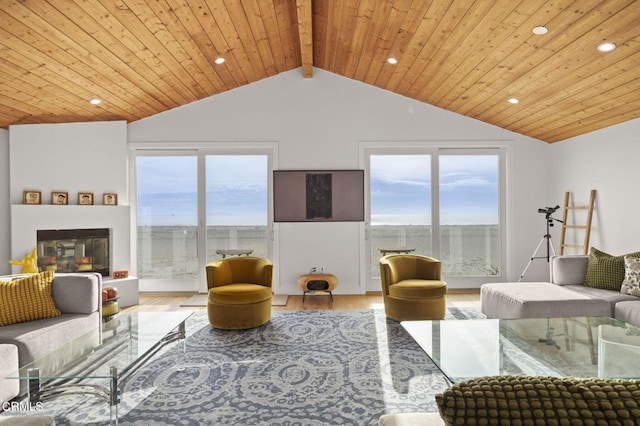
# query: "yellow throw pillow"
{"points": [[27, 299]]}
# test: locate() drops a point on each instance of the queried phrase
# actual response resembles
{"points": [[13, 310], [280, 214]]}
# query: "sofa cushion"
{"points": [[9, 388], [532, 400], [27, 299], [77, 293], [628, 312], [35, 339], [605, 271], [540, 300], [568, 269], [29, 420], [631, 282], [610, 296]]}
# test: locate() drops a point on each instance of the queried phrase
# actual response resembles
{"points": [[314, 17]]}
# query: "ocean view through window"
{"points": [[467, 209], [469, 214], [235, 204], [167, 217]]}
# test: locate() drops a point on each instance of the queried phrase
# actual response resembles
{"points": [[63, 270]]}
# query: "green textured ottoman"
{"points": [[533, 400]]}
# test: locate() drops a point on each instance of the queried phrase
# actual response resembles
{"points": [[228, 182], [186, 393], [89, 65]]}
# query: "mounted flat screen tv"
{"points": [[318, 195]]}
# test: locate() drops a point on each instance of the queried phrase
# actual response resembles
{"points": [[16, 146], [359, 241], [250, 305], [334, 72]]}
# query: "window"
{"points": [[444, 203], [469, 214], [190, 205], [167, 217], [400, 204]]}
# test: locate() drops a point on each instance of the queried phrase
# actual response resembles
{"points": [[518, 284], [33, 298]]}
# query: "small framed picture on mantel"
{"points": [[31, 197], [60, 198], [110, 199], [85, 198]]}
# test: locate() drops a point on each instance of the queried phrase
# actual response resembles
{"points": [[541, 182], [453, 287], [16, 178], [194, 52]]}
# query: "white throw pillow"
{"points": [[631, 283]]}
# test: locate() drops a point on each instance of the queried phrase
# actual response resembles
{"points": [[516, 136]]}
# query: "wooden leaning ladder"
{"points": [[586, 227]]}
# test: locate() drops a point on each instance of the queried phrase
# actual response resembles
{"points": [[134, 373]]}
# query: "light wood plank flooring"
{"points": [[172, 301]]}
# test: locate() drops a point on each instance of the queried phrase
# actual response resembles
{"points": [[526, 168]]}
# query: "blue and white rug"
{"points": [[302, 368]]}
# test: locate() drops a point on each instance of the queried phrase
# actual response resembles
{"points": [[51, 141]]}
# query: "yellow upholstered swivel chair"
{"points": [[411, 287], [239, 292]]}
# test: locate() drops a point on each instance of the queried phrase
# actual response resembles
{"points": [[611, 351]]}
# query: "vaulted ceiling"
{"points": [[142, 57]]}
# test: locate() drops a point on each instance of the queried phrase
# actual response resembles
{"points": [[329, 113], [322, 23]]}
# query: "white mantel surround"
{"points": [[27, 219], [73, 158]]}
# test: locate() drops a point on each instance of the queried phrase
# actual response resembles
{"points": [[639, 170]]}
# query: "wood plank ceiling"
{"points": [[142, 57]]}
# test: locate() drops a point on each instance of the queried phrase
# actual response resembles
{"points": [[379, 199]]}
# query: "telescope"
{"points": [[548, 210]]}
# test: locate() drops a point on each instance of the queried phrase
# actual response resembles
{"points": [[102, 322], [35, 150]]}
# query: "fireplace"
{"points": [[74, 250]]}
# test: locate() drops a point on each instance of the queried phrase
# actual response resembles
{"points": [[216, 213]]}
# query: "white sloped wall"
{"points": [[318, 123]]}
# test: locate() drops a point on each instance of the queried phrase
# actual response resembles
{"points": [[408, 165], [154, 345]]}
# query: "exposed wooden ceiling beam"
{"points": [[305, 32]]}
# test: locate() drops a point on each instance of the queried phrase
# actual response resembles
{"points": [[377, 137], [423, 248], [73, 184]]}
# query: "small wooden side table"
{"points": [[310, 283]]}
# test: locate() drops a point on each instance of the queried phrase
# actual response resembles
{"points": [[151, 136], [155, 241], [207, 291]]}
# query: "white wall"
{"points": [[318, 124], [73, 157], [607, 161], [5, 212]]}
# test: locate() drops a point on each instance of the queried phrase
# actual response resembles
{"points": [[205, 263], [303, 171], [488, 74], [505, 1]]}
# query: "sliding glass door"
{"points": [[237, 205], [445, 203], [469, 186], [194, 207], [400, 205], [167, 222]]}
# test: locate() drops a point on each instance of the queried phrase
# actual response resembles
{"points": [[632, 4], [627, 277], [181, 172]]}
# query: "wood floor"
{"points": [[172, 301]]}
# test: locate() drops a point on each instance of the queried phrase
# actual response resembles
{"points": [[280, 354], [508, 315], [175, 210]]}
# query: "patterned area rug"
{"points": [[302, 368]]}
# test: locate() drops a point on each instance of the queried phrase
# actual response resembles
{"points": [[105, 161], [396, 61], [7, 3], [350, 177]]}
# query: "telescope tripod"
{"points": [[546, 239]]}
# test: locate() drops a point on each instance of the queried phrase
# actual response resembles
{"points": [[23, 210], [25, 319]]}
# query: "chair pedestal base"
{"points": [[239, 317], [415, 309]]}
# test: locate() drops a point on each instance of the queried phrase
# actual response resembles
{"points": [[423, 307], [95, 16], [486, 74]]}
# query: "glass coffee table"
{"points": [[95, 363], [562, 347]]}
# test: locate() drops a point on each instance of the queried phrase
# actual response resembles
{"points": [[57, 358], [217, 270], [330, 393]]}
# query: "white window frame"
{"points": [[435, 149], [200, 150]]}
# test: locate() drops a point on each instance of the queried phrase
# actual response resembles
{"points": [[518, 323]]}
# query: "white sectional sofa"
{"points": [[565, 296]]}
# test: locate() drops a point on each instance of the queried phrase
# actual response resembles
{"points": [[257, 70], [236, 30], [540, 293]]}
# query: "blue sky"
{"points": [[236, 190], [401, 189], [236, 193]]}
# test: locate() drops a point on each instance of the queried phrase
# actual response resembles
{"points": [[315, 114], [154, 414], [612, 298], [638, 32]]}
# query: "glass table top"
{"points": [[562, 347], [124, 341]]}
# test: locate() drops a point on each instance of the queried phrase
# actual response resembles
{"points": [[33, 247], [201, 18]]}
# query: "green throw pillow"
{"points": [[605, 271]]}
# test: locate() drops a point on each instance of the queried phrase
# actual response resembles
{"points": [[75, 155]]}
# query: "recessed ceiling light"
{"points": [[540, 30], [514, 101], [95, 101], [392, 61], [607, 46], [219, 60]]}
